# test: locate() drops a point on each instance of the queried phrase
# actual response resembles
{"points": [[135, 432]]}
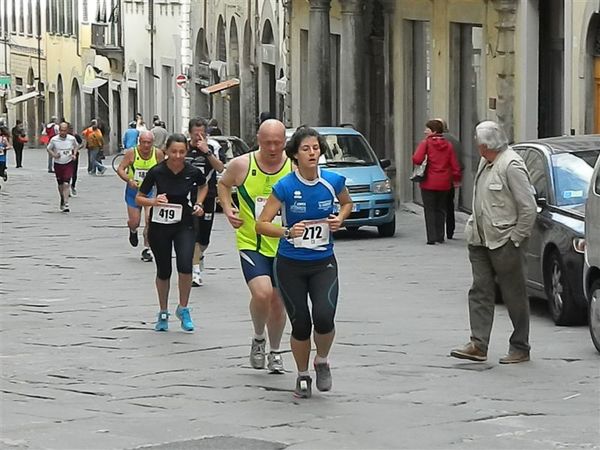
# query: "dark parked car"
{"points": [[233, 147], [591, 276], [561, 169]]}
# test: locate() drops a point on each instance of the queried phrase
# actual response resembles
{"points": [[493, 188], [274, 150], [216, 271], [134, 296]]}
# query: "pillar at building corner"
{"points": [[505, 69], [319, 60], [352, 93]]}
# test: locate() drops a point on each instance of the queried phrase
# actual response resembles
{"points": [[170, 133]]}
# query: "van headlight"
{"points": [[579, 244], [382, 187]]}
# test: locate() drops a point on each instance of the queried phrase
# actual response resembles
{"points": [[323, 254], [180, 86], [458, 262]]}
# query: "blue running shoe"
{"points": [[162, 323], [183, 314]]}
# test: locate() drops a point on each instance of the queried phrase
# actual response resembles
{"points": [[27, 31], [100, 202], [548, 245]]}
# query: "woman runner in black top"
{"points": [[171, 224]]}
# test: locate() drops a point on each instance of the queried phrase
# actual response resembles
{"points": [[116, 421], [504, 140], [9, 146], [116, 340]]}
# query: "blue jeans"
{"points": [[93, 164]]}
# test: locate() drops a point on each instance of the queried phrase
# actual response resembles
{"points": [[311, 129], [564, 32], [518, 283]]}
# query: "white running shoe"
{"points": [[197, 278]]}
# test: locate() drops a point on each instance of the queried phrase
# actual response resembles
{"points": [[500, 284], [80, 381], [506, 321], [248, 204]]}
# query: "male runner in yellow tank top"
{"points": [[134, 166], [254, 175]]}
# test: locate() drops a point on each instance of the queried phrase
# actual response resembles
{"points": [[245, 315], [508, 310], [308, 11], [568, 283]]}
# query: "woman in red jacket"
{"points": [[443, 172]]}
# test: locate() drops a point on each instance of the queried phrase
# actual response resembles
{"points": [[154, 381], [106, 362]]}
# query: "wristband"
{"points": [[200, 205]]}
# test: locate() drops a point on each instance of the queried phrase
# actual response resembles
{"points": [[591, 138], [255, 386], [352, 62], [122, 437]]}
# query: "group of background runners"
{"points": [[284, 228]]}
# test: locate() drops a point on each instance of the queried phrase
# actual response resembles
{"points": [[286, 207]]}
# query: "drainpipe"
{"points": [[151, 24], [186, 62], [78, 29]]}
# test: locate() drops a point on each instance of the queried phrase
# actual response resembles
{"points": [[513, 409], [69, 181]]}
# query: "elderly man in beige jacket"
{"points": [[504, 211]]}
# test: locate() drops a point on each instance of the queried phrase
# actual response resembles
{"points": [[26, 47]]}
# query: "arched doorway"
{"points": [[552, 58], [60, 98], [268, 100], [201, 105], [76, 109], [31, 125], [219, 106], [592, 98], [248, 88], [234, 70]]}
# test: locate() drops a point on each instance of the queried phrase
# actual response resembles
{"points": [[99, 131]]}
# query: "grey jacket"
{"points": [[505, 209]]}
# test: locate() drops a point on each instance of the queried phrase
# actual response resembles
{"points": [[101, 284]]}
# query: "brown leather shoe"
{"points": [[514, 357], [469, 351]]}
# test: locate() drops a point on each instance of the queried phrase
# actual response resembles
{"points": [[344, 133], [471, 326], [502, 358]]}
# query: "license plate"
{"points": [[355, 207]]}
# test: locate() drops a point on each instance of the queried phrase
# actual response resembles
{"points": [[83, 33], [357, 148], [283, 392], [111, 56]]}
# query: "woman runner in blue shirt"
{"points": [[305, 264]]}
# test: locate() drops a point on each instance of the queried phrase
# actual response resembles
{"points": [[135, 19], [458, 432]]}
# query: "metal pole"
{"points": [[39, 39], [6, 52]]}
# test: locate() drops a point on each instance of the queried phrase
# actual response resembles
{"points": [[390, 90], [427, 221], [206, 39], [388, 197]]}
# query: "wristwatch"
{"points": [[200, 205], [286, 233]]}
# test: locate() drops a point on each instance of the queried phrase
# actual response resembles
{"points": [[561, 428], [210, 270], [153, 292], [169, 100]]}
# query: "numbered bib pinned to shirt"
{"points": [[139, 175], [316, 234], [259, 205], [167, 213]]}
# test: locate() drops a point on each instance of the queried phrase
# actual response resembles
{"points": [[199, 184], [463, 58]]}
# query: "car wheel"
{"points": [[387, 229], [352, 229], [594, 314], [560, 297]]}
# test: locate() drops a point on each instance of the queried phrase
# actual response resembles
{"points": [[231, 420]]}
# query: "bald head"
{"points": [[271, 138], [146, 140], [271, 126]]}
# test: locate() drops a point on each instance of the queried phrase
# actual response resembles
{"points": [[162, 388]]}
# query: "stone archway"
{"points": [[220, 111], [592, 75], [201, 105], [268, 100], [60, 98], [32, 121], [248, 88], [76, 106], [234, 70]]}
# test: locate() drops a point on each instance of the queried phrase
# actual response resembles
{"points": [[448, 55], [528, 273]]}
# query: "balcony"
{"points": [[106, 41]]}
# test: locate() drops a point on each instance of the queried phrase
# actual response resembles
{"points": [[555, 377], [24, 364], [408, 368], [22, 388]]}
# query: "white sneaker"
{"points": [[197, 279]]}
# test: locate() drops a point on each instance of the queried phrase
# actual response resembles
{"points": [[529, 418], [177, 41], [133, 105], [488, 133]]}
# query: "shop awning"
{"points": [[220, 86], [89, 87], [23, 98]]}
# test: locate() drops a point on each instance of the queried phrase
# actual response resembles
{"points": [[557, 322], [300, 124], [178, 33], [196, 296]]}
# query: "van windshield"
{"points": [[572, 175], [347, 150]]}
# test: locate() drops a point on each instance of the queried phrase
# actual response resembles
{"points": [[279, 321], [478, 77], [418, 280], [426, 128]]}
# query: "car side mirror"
{"points": [[541, 201], [385, 163]]}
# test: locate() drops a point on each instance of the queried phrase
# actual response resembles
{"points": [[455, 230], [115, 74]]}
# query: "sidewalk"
{"points": [[81, 366]]}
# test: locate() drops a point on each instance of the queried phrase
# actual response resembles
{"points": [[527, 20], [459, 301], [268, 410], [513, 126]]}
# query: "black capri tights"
{"points": [[296, 281], [162, 239]]}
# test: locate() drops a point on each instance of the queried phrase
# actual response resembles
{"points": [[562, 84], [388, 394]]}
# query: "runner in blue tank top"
{"points": [[305, 264]]}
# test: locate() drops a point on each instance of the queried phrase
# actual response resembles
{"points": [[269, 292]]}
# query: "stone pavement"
{"points": [[82, 368]]}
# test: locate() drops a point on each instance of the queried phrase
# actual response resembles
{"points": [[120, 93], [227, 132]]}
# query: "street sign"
{"points": [[4, 80], [181, 80]]}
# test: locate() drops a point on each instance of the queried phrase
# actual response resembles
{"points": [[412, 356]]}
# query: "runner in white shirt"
{"points": [[63, 149]]}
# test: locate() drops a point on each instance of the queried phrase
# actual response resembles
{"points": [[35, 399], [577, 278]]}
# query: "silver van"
{"points": [[591, 269]]}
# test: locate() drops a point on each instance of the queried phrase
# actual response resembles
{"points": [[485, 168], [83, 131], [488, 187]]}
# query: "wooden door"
{"points": [[597, 95]]}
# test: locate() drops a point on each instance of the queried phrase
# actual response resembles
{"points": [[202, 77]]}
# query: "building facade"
{"points": [[384, 66], [389, 66], [243, 42], [22, 60]]}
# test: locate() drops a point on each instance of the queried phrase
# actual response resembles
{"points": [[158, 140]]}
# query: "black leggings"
{"points": [[204, 223], [162, 239], [75, 169], [319, 279]]}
